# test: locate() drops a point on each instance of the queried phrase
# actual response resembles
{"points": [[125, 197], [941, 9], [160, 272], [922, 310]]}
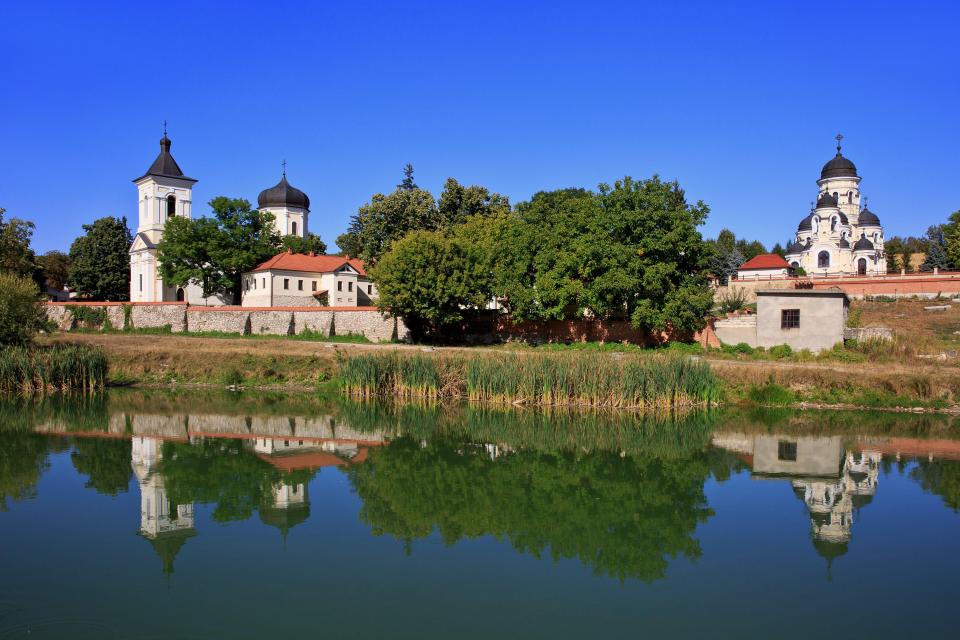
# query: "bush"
{"points": [[772, 394], [732, 300], [781, 351], [22, 312]]}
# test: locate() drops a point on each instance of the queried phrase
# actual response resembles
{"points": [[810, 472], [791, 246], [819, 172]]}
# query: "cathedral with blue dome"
{"points": [[840, 236]]}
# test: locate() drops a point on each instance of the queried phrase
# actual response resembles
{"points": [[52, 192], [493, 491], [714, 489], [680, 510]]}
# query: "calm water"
{"points": [[157, 515]]}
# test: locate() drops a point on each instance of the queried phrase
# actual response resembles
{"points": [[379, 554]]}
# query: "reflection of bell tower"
{"points": [[165, 524], [290, 507]]}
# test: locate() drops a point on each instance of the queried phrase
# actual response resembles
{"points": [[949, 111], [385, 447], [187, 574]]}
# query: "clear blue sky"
{"points": [[738, 101]]}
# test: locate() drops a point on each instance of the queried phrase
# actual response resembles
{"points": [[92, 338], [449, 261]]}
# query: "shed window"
{"points": [[313, 286], [340, 285], [790, 319], [293, 228], [263, 281], [369, 289], [787, 450], [349, 286]]}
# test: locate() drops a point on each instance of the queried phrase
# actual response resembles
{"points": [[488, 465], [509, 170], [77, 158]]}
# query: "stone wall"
{"points": [[867, 333], [737, 329], [365, 321]]}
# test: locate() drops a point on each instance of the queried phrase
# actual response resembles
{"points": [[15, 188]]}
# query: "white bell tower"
{"points": [[163, 193]]}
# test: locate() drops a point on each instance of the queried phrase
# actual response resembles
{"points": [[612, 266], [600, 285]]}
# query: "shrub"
{"points": [[772, 394], [22, 313], [732, 300], [89, 317], [781, 351]]}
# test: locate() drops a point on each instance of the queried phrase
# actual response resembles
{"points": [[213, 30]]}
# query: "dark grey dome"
{"points": [[826, 200], [844, 243], [843, 218], [794, 249], [283, 195], [838, 167], [869, 219], [863, 244], [806, 224]]}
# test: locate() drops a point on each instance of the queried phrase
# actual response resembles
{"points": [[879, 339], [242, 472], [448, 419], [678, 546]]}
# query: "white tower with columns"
{"points": [[290, 206]]}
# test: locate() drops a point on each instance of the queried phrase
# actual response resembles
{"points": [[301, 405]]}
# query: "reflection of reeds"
{"points": [[56, 368], [595, 380]]}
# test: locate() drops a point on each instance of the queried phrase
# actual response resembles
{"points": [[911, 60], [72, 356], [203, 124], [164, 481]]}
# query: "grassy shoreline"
{"points": [[178, 360]]}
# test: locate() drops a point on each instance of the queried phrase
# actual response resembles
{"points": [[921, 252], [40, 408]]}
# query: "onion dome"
{"points": [[844, 243], [838, 167], [843, 218], [806, 224], [863, 244], [826, 201], [283, 195], [868, 219], [165, 166]]}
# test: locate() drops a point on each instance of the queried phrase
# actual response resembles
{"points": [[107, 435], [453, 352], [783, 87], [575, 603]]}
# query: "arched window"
{"points": [[171, 206], [293, 228], [794, 264], [823, 259], [862, 267], [180, 295], [836, 196], [850, 197], [834, 221]]}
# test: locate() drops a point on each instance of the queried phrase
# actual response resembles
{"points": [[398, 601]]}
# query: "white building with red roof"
{"points": [[763, 267], [306, 280]]}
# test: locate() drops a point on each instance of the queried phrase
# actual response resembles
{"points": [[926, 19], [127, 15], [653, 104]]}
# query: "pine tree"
{"points": [[407, 184]]}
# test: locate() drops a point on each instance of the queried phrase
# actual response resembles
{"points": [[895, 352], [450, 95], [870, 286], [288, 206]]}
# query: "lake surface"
{"points": [[201, 515]]}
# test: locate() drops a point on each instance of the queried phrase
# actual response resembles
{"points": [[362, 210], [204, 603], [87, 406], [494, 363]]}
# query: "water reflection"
{"points": [[622, 495]]}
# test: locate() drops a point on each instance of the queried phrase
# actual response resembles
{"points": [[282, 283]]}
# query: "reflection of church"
{"points": [[831, 482], [165, 524]]}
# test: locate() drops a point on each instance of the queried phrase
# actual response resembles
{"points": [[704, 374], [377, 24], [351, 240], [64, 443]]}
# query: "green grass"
{"points": [[771, 395], [58, 367], [586, 379]]}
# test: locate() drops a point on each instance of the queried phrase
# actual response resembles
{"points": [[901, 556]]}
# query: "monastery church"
{"points": [[840, 236], [284, 280]]}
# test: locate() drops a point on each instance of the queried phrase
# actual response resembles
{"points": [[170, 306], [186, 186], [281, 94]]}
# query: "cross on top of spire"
{"points": [[284, 164], [164, 128], [838, 139]]}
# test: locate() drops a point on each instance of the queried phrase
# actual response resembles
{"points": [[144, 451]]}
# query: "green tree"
{"points": [[407, 184], [386, 219], [779, 250], [55, 268], [100, 260], [936, 256], [311, 244], [214, 252], [22, 312], [432, 280], [105, 462], [951, 238], [23, 459], [16, 256], [457, 203], [939, 477]]}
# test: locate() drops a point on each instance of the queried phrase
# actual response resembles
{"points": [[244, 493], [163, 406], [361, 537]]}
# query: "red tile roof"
{"points": [[765, 261], [314, 264]]}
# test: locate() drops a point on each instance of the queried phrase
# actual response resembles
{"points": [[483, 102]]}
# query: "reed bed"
{"points": [[60, 367], [593, 380]]}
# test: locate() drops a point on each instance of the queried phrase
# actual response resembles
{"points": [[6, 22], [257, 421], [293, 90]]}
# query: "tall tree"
{"points": [[936, 256], [100, 260], [951, 238], [311, 244], [55, 268], [16, 256], [457, 203], [214, 252], [407, 184]]}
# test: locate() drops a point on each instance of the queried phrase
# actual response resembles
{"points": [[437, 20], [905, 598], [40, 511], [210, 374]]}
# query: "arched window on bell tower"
{"points": [[171, 206]]}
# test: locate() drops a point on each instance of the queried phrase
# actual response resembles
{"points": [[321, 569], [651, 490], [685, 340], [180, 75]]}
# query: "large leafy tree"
{"points": [[55, 268], [22, 313], [432, 280], [214, 252], [387, 218], [100, 260], [16, 256]]}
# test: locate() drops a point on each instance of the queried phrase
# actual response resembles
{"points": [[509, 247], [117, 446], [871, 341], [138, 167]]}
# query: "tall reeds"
{"points": [[60, 367], [594, 380]]}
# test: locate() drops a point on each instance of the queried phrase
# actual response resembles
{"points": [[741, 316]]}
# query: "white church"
{"points": [[840, 236], [165, 192]]}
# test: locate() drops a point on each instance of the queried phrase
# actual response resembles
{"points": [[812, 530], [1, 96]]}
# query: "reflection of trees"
{"points": [[939, 477], [23, 459], [105, 461], [222, 472], [624, 516]]}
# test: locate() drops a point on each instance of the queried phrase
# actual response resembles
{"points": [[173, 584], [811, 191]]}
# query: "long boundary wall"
{"points": [[911, 285], [182, 317]]}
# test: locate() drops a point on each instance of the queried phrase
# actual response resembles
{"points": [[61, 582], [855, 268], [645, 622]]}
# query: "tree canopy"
{"points": [[55, 268], [22, 313], [100, 260], [214, 252], [16, 256]]}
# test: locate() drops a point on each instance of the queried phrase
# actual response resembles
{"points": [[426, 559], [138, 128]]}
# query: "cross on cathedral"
{"points": [[164, 128], [284, 163], [839, 138]]}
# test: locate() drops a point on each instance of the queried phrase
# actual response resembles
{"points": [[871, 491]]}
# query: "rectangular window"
{"points": [[299, 285], [369, 289], [141, 282], [787, 451], [313, 286], [263, 281], [340, 285], [790, 319], [349, 286], [286, 283]]}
